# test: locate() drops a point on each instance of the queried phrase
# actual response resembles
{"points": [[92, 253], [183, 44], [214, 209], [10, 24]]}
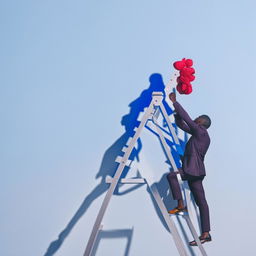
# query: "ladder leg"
{"points": [[195, 235], [169, 124], [113, 185], [169, 155], [96, 241], [177, 239], [166, 148]]}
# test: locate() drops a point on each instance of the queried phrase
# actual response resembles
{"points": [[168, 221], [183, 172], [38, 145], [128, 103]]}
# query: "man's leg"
{"points": [[175, 187], [196, 187]]}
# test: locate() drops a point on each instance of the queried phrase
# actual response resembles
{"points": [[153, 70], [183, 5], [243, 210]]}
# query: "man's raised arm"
{"points": [[181, 124], [182, 113]]}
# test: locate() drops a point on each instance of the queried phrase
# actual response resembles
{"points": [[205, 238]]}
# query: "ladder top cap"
{"points": [[157, 94]]}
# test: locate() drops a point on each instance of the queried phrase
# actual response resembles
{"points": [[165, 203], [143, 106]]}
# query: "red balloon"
{"points": [[191, 78], [187, 71], [184, 87], [189, 63], [184, 79], [179, 65], [178, 87], [188, 89], [186, 75]]}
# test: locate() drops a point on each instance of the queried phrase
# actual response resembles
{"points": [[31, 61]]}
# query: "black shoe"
{"points": [[202, 240]]}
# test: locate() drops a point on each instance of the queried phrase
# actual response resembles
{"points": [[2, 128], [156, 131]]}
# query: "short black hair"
{"points": [[207, 121]]}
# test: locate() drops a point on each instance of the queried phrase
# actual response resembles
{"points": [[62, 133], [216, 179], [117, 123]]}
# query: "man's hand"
{"points": [[172, 97]]}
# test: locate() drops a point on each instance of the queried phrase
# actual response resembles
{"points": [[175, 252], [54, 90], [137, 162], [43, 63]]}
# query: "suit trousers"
{"points": [[196, 187]]}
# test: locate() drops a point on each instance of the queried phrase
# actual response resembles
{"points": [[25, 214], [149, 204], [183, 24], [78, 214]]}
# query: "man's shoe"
{"points": [[202, 240], [177, 210]]}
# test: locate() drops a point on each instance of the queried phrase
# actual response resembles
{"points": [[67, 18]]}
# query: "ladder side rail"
{"points": [[171, 225], [170, 157], [137, 134], [166, 148], [194, 233], [169, 124], [171, 84], [96, 241], [115, 181]]}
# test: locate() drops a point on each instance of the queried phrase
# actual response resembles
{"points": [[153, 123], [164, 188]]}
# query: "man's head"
{"points": [[203, 120]]}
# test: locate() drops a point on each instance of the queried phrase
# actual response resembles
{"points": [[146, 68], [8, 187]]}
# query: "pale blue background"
{"points": [[69, 69]]}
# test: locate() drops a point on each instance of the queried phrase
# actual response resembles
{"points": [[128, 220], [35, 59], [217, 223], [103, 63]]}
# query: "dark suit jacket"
{"points": [[197, 145]]}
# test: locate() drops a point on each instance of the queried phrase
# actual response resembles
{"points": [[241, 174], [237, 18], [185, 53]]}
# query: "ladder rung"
{"points": [[157, 93], [179, 214], [124, 149], [129, 141], [119, 160], [127, 180]]}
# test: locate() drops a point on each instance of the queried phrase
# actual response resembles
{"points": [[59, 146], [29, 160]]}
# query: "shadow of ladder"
{"points": [[109, 234], [152, 112]]}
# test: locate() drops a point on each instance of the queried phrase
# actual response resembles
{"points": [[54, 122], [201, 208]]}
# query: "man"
{"points": [[193, 169]]}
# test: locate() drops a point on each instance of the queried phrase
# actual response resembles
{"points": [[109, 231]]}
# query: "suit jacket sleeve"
{"points": [[181, 124], [184, 115]]}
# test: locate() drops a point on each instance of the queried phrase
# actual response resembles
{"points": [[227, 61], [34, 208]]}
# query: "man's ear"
{"points": [[204, 122]]}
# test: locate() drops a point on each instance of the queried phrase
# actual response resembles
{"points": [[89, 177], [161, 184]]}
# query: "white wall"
{"points": [[69, 70]]}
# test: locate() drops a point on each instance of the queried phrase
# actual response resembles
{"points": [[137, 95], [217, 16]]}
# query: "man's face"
{"points": [[199, 120]]}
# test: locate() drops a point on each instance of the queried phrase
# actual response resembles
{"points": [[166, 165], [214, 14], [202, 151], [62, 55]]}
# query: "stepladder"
{"points": [[149, 120]]}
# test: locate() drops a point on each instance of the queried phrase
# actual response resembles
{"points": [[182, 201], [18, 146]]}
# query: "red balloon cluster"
{"points": [[186, 75]]}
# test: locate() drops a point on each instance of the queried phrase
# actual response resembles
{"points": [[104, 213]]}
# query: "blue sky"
{"points": [[69, 70]]}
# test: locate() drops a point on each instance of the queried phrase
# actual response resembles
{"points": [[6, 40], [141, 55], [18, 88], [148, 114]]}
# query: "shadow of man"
{"points": [[108, 165]]}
